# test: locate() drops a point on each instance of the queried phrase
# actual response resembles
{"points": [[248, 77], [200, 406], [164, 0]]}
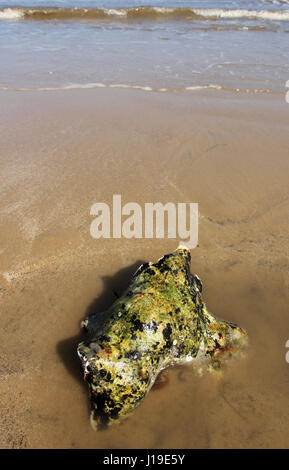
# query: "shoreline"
{"points": [[143, 88]]}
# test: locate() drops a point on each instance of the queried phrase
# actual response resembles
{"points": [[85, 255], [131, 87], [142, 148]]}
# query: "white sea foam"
{"points": [[204, 87], [253, 14], [114, 12], [277, 2], [89, 86], [11, 14], [76, 86], [119, 85], [144, 88], [163, 10]]}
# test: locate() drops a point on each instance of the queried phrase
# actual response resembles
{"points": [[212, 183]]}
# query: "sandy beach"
{"points": [[63, 151]]}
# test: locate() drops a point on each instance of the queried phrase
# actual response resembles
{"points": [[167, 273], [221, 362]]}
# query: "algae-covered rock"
{"points": [[159, 321]]}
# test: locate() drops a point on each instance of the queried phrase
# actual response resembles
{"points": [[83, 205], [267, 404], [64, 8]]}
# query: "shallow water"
{"points": [[237, 45]]}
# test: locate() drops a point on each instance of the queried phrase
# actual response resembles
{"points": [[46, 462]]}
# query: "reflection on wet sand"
{"points": [[229, 155]]}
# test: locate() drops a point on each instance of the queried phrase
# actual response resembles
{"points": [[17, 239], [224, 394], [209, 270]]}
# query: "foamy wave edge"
{"points": [[91, 86], [277, 15], [11, 14], [140, 12]]}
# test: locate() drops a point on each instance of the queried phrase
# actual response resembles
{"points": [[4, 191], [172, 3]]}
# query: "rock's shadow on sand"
{"points": [[113, 287]]}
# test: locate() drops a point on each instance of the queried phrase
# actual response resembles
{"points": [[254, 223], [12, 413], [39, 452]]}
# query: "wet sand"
{"points": [[60, 153]]}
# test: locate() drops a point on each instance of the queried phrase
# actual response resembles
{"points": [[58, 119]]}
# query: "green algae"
{"points": [[159, 321]]}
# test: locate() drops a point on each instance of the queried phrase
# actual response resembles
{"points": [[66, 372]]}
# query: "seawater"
{"points": [[158, 46]]}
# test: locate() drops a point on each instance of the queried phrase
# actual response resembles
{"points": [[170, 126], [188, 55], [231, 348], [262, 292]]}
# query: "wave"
{"points": [[277, 2], [90, 86], [51, 13]]}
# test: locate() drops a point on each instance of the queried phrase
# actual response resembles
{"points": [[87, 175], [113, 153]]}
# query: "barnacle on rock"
{"points": [[159, 321]]}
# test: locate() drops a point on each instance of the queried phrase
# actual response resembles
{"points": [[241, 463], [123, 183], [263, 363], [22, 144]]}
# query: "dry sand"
{"points": [[60, 153]]}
